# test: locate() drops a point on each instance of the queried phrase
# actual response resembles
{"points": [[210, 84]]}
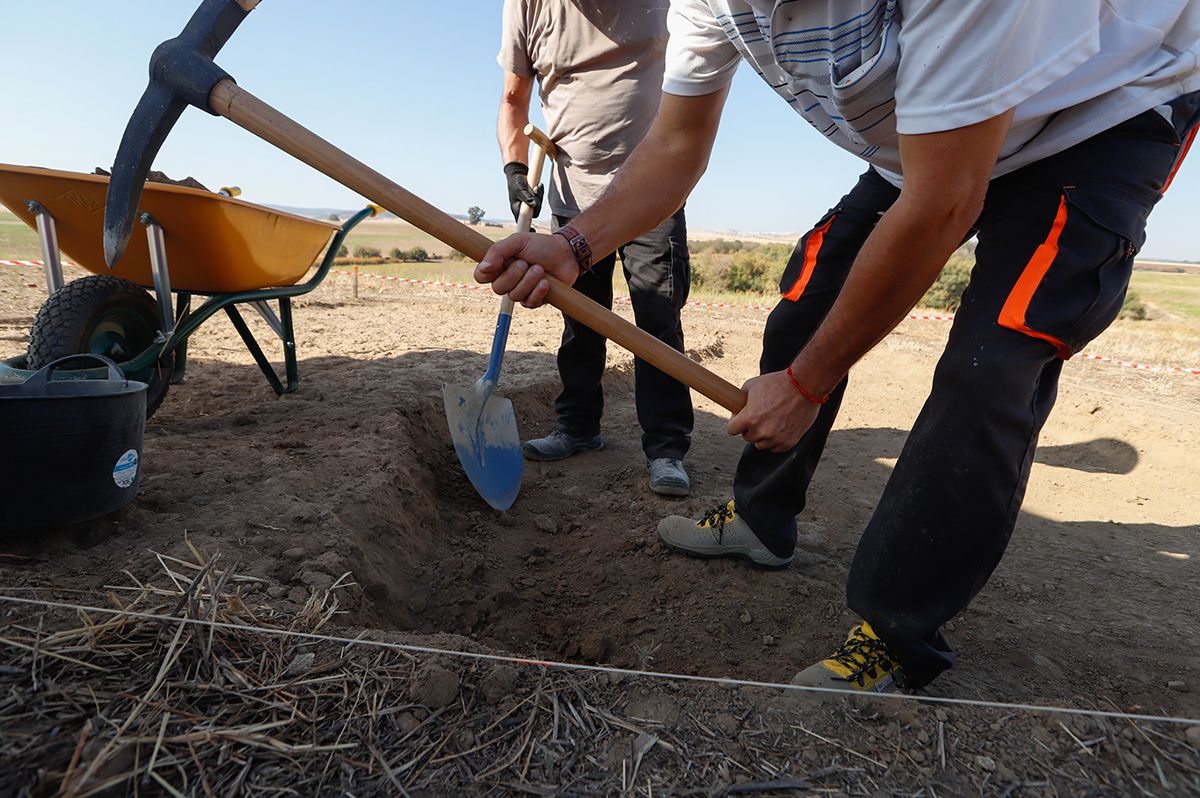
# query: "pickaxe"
{"points": [[183, 73]]}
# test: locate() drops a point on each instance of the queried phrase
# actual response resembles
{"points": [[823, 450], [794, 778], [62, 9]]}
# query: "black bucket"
{"points": [[72, 449]]}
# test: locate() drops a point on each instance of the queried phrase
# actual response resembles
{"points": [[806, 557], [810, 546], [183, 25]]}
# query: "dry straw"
{"points": [[149, 701]]}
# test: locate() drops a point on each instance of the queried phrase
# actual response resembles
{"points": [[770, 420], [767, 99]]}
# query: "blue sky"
{"points": [[409, 87]]}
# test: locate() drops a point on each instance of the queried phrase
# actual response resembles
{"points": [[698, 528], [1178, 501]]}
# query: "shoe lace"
{"points": [[717, 517], [862, 655]]}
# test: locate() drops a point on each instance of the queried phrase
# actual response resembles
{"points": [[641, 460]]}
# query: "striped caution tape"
{"points": [[1110, 361], [37, 263]]}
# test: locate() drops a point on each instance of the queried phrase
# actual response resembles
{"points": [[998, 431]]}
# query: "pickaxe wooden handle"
{"points": [[247, 111]]}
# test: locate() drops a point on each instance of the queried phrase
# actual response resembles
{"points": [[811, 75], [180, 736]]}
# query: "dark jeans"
{"points": [[658, 272], [1056, 242]]}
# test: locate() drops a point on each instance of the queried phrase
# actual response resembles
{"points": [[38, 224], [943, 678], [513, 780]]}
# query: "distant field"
{"points": [[390, 234], [18, 241], [1171, 297], [1176, 294]]}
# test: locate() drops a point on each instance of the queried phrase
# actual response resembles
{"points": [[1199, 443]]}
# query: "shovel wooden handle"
{"points": [[247, 111], [542, 140]]}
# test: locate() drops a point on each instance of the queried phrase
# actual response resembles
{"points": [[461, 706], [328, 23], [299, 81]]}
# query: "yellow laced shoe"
{"points": [[861, 663], [718, 533]]}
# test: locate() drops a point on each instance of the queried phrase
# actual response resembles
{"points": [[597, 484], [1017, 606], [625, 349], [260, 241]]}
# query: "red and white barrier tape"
{"points": [[1111, 361], [37, 263]]}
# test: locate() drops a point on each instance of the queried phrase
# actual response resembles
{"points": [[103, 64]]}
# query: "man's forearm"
{"points": [[510, 130], [513, 117], [658, 175], [946, 177]]}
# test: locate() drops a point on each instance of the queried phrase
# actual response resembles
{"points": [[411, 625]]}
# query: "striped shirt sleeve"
{"points": [[700, 57]]}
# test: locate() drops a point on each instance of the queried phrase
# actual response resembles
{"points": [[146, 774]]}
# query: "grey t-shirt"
{"points": [[599, 66]]}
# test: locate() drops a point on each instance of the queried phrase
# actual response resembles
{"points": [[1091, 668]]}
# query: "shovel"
{"points": [[483, 426]]}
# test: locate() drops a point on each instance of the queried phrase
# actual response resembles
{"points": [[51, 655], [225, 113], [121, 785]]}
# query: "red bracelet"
{"points": [[816, 400]]}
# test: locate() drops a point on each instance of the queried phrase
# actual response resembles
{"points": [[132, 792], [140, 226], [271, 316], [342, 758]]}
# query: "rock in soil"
{"points": [[434, 687], [498, 685]]}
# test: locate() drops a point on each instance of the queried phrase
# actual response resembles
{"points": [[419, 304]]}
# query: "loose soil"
{"points": [[1094, 604]]}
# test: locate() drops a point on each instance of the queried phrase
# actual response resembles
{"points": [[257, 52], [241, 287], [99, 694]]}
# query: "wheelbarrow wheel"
{"points": [[107, 316]]}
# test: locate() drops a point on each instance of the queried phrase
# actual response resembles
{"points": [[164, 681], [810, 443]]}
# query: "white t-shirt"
{"points": [[864, 71]]}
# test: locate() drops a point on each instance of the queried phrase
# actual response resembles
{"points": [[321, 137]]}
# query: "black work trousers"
{"points": [[1055, 248], [658, 272]]}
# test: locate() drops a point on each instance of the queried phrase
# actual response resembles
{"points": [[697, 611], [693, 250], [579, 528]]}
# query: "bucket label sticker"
{"points": [[125, 471]]}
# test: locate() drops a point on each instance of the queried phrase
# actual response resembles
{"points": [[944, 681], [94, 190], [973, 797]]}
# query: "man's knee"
{"points": [[977, 370]]}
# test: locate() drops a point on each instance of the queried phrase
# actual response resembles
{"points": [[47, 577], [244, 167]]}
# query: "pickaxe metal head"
{"points": [[182, 73]]}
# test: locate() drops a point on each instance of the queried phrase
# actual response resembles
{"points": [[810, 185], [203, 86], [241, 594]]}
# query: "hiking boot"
{"points": [[558, 445], [861, 663], [718, 533], [667, 477]]}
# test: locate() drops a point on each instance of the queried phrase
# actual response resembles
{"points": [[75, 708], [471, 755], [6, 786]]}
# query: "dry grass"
{"points": [[147, 699]]}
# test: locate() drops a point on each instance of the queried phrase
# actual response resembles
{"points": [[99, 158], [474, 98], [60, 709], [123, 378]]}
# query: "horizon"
{"points": [[432, 132]]}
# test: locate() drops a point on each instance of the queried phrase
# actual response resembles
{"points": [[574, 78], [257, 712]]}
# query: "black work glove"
{"points": [[519, 192]]}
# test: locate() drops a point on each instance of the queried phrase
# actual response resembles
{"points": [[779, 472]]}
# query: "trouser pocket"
{"points": [[1073, 286]]}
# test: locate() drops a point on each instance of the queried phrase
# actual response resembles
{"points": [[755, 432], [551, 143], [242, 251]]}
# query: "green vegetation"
{"points": [[1133, 308], [946, 292], [414, 255], [736, 266], [18, 241], [723, 270], [475, 215]]}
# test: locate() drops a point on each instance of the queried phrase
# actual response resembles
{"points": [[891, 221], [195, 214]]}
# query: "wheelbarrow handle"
{"points": [[229, 100]]}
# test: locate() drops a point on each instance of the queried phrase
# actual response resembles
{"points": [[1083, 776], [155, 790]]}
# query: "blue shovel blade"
{"points": [[486, 442]]}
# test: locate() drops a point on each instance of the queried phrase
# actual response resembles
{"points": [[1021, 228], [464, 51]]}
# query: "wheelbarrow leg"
{"points": [[255, 350], [183, 306], [48, 239], [289, 345], [281, 325]]}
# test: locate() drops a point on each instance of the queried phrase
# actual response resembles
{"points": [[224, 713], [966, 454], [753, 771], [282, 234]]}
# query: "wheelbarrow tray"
{"points": [[216, 244]]}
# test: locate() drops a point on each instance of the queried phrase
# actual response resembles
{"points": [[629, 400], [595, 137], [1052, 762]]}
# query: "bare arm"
{"points": [[652, 184], [513, 117], [946, 178]]}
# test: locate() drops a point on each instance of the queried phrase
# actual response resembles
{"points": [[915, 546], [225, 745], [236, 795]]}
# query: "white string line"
{"points": [[717, 680]]}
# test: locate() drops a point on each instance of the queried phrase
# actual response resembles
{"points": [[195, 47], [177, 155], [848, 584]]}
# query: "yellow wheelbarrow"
{"points": [[230, 251]]}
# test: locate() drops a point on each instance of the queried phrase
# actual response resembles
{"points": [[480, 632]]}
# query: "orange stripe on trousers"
{"points": [[815, 239], [1012, 315]]}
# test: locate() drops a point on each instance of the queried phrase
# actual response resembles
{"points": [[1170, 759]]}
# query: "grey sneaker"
{"points": [[558, 445], [718, 533], [667, 477]]}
